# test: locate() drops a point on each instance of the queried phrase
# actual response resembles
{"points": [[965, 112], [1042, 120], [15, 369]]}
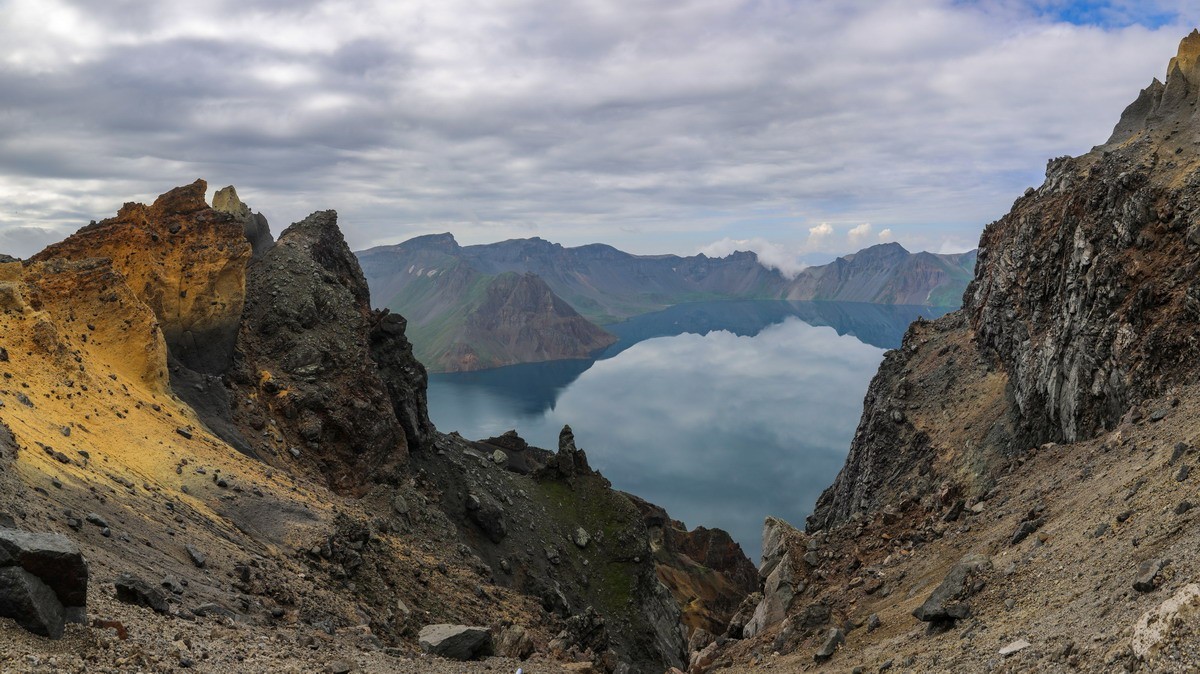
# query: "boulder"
{"points": [[833, 640], [55, 560], [134, 590], [30, 602], [514, 642], [1156, 625], [784, 575], [947, 603], [456, 642], [1146, 573]]}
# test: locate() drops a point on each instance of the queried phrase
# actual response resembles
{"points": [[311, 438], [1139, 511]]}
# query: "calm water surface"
{"points": [[720, 412]]}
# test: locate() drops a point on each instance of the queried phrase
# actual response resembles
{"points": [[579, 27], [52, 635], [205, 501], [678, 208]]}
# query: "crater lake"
{"points": [[720, 412]]}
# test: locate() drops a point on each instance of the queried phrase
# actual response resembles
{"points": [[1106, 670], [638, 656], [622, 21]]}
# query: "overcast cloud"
{"points": [[653, 126]]}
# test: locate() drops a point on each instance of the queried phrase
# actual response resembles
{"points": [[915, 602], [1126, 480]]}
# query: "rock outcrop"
{"points": [[184, 260], [304, 355], [254, 225], [705, 570], [784, 574], [43, 581], [1073, 317]]}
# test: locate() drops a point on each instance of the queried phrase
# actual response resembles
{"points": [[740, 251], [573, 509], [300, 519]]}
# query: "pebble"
{"points": [[1015, 647]]}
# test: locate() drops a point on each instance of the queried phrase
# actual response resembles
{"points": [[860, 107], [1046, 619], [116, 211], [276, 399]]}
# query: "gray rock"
{"points": [[93, 518], [30, 602], [581, 537], [947, 603], [489, 516], [833, 640], [1015, 647], [134, 590], [55, 560], [457, 642], [514, 642], [196, 556], [782, 575], [873, 622], [1146, 573], [1183, 473], [1025, 528], [212, 608], [1183, 507]]}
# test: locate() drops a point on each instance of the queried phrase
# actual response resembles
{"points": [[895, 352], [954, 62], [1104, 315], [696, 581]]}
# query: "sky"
{"points": [[798, 129]]}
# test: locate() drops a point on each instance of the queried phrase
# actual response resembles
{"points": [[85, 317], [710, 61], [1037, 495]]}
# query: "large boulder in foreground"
{"points": [[456, 642], [43, 581]]}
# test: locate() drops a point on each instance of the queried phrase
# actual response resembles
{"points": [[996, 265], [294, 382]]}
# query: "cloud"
{"points": [[678, 121], [951, 246], [885, 234], [777, 256], [858, 235], [818, 235]]}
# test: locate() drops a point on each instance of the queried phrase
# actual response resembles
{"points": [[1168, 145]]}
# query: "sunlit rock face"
{"points": [[184, 260]]}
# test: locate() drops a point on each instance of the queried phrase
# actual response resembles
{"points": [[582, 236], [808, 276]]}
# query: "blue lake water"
{"points": [[720, 412]]}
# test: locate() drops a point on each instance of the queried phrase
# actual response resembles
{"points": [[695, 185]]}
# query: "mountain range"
{"points": [[446, 291]]}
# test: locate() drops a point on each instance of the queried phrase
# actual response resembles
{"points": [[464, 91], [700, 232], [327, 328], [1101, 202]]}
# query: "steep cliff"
{"points": [[1085, 303], [305, 364]]}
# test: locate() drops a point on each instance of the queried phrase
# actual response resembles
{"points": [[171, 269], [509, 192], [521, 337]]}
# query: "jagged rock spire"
{"points": [[1160, 101]]}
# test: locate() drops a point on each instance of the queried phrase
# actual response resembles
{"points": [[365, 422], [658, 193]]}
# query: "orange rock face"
{"points": [[184, 260]]}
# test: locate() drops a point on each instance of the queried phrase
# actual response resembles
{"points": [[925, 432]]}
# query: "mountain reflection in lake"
{"points": [[721, 412]]}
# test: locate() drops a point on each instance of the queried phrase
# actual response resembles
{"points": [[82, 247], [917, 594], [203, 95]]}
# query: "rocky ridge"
{"points": [[264, 462]]}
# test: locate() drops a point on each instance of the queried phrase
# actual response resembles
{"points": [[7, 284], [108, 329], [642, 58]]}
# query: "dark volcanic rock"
{"points": [[1059, 298], [30, 602], [308, 326], [404, 376], [1146, 574], [948, 603], [134, 590], [55, 560], [1025, 528], [833, 640], [456, 642]]}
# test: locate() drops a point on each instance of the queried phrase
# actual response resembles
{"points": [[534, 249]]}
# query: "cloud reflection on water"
{"points": [[719, 428]]}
